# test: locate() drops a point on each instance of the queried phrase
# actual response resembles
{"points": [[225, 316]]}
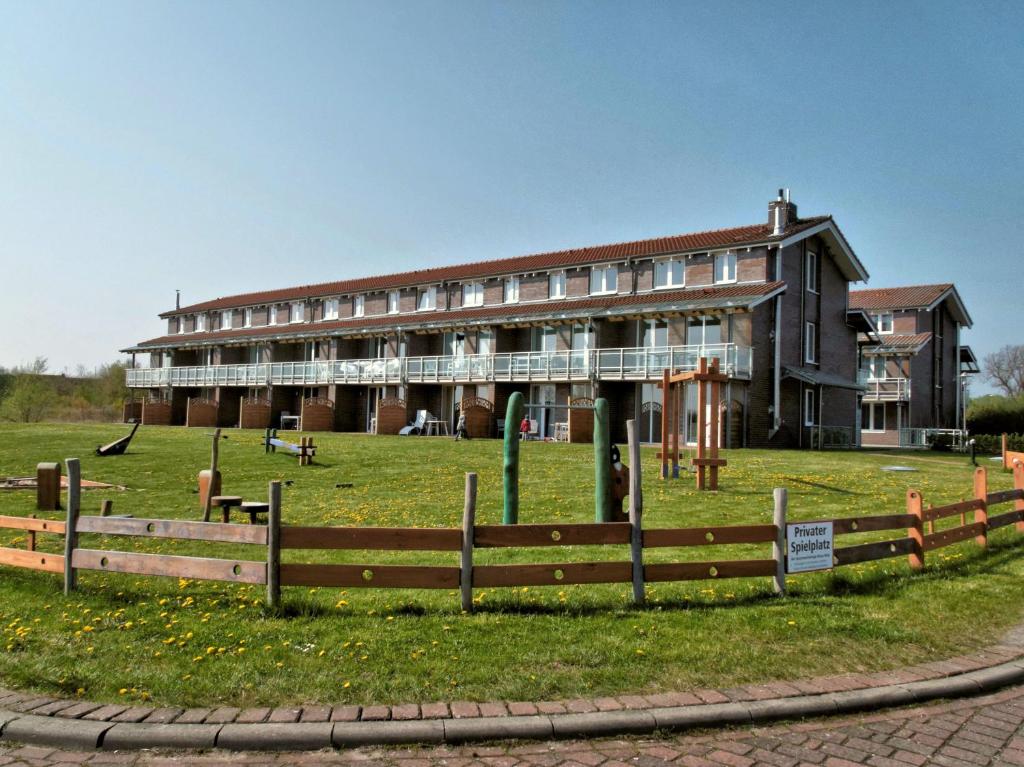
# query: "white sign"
{"points": [[808, 546]]}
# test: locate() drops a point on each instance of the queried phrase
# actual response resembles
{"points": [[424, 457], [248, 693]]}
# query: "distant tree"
{"points": [[1005, 369], [30, 398]]}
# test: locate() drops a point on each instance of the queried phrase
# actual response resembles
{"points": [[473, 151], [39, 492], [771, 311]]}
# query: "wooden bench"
{"points": [[254, 509]]}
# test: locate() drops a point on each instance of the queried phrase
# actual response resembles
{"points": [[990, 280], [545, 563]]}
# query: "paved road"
{"points": [[981, 731]]}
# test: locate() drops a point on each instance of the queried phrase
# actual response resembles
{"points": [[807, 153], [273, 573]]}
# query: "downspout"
{"points": [[956, 381], [777, 363]]}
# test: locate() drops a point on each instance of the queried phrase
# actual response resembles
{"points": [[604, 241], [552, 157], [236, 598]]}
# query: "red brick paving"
{"points": [[987, 732]]}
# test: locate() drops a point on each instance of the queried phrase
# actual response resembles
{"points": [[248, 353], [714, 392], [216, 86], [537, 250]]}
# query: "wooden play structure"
{"points": [[118, 446], [209, 480], [305, 449], [708, 379], [1010, 457]]}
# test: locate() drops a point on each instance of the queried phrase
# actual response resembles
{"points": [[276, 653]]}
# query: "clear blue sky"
{"points": [[231, 146]]}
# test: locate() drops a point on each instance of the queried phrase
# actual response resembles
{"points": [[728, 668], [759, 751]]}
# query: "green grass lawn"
{"points": [[129, 638]]}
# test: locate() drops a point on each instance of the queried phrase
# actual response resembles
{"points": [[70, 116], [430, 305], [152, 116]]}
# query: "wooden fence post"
{"points": [[1005, 443], [468, 524], [513, 416], [916, 531], [779, 544], [602, 462], [1018, 483], [666, 410], [636, 511], [274, 546], [981, 515], [71, 531]]}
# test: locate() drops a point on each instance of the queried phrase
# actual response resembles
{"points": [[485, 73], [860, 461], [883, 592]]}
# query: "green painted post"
{"points": [[513, 417], [602, 462]]}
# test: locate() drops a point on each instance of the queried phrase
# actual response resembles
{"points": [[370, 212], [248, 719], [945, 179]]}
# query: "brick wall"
{"points": [[131, 411], [577, 282], [533, 288]]}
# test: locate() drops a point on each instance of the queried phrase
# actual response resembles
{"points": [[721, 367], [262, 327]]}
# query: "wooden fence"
{"points": [[917, 525]]}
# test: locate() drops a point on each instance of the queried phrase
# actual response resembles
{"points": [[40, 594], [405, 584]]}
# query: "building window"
{"points": [[812, 271], [393, 302], [272, 317], [181, 324], [808, 407], [511, 290], [883, 322], [604, 279], [331, 309], [473, 294], [873, 368], [200, 323], [556, 285], [298, 312], [872, 417], [669, 274], [811, 343], [358, 306], [725, 267], [426, 299], [544, 339], [226, 319], [247, 318]]}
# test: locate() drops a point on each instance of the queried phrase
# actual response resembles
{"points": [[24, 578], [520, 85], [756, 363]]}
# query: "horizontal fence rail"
{"points": [[917, 524]]}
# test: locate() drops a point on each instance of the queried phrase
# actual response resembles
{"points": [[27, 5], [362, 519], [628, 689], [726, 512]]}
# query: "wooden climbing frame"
{"points": [[709, 379]]}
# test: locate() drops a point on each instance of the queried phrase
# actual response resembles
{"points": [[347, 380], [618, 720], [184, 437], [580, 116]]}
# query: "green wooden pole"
{"points": [[602, 462], [513, 416]]}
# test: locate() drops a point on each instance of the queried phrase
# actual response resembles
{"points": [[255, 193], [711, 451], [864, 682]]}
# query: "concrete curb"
{"points": [[82, 734]]}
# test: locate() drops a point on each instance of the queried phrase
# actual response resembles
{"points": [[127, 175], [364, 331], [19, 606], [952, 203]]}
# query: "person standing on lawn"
{"points": [[460, 428]]}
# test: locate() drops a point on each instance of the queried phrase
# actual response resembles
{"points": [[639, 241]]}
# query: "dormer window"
{"points": [[358, 306], [393, 298], [298, 312], [473, 294], [227, 319], [725, 268], [511, 295], [272, 317], [247, 318], [556, 285], [670, 273], [426, 299], [181, 325], [331, 309], [604, 279], [883, 321], [200, 323]]}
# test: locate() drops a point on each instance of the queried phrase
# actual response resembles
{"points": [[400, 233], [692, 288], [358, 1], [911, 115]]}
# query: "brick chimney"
{"points": [[781, 212]]}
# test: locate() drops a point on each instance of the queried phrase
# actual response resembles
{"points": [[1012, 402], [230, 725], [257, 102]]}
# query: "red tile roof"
{"points": [[693, 299], [697, 241], [909, 297]]}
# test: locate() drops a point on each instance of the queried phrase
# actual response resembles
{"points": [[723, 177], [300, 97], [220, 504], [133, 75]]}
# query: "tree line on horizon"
{"points": [[29, 394]]}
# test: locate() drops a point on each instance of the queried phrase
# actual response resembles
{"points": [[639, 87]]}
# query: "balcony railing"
{"points": [[885, 389], [632, 364]]}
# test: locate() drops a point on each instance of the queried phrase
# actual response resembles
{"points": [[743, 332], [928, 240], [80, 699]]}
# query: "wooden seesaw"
{"points": [[305, 450], [118, 446]]}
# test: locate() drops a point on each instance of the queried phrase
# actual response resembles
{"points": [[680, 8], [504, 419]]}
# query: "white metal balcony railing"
{"points": [[890, 389], [632, 364]]}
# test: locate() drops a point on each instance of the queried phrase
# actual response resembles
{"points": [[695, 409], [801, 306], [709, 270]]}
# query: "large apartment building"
{"points": [[913, 366], [770, 300]]}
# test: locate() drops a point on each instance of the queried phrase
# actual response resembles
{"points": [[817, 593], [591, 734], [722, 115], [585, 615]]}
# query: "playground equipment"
{"points": [[118, 446], [305, 449], [209, 480], [1010, 457], [611, 477], [709, 379]]}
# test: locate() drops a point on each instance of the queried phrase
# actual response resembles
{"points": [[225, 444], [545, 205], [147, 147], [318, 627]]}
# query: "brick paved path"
{"points": [[980, 731]]}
